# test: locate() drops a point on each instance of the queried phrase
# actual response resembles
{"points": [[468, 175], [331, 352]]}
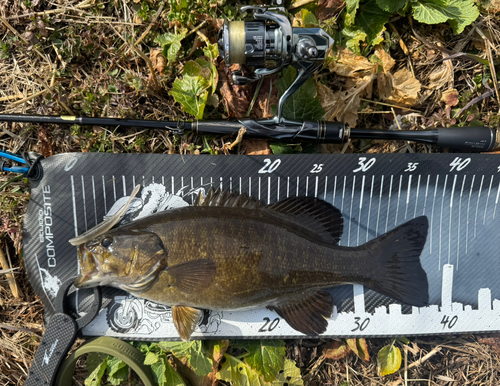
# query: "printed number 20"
{"points": [[270, 166], [268, 325]]}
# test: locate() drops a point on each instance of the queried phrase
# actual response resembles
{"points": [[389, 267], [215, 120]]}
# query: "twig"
{"points": [[389, 105], [14, 31], [196, 29], [142, 55], [82, 5], [239, 138], [10, 276], [153, 22], [492, 64], [426, 357]]}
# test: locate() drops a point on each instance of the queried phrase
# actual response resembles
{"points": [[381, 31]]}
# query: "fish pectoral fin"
{"points": [[185, 320], [192, 275], [308, 314]]}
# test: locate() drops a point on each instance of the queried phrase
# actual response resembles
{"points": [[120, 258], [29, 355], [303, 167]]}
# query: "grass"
{"points": [[94, 58]]}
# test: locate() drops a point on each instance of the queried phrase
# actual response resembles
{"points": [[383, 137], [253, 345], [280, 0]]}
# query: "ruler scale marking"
{"points": [[388, 204], [459, 218], [399, 196], [432, 214], [467, 222], [379, 203], [477, 204], [451, 212], [360, 207], [487, 200], [369, 208], [441, 219]]}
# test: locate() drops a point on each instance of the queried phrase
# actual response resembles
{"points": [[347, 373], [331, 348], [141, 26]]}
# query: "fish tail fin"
{"points": [[399, 273]]}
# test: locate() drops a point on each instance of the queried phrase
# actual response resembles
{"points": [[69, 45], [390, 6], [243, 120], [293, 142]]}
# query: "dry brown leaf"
{"points": [[493, 341], [439, 77], [450, 97], [350, 65], [328, 8], [493, 6], [401, 88], [256, 147], [387, 61], [158, 60], [336, 349], [359, 347], [344, 105], [238, 98], [45, 141]]}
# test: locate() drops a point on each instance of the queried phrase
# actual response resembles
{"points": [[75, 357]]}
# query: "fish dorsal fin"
{"points": [[227, 199], [314, 214], [185, 320], [308, 313]]}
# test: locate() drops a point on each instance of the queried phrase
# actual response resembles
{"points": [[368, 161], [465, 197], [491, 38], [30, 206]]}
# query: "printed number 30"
{"points": [[364, 164]]}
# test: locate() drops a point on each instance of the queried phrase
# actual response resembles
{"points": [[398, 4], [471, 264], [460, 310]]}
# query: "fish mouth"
{"points": [[88, 269]]}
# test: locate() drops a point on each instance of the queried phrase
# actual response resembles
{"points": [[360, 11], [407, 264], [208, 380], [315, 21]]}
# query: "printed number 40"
{"points": [[459, 163]]}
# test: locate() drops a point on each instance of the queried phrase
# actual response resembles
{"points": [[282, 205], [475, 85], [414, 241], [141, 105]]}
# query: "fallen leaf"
{"points": [[344, 105], [493, 341], [439, 77], [450, 97], [329, 8], [385, 59], [256, 146], [238, 98], [493, 6], [359, 347], [158, 60], [388, 360], [336, 349], [350, 65], [45, 141], [401, 88]]}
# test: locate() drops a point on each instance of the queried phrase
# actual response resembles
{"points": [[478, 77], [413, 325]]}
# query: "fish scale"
{"points": [[458, 193]]}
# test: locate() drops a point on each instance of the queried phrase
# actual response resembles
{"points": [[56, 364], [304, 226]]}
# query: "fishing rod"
{"points": [[268, 43], [468, 139]]}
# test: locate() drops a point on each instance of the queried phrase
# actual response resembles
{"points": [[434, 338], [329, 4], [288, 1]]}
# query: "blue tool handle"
{"points": [[56, 342]]}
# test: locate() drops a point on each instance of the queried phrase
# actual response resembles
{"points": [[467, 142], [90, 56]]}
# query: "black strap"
{"points": [[35, 171]]}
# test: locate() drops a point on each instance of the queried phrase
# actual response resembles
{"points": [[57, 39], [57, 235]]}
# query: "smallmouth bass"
{"points": [[229, 252]]}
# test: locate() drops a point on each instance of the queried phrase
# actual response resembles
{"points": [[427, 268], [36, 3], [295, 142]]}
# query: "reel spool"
{"points": [[269, 43]]}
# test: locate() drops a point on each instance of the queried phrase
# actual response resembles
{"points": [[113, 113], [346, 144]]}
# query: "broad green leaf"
{"points": [[351, 8], [290, 375], [117, 371], [95, 377], [308, 19], [165, 374], [303, 103], [151, 358], [94, 359], [239, 373], [265, 356], [388, 360], [212, 52], [191, 91], [194, 352], [285, 148], [354, 35], [391, 5], [459, 13], [171, 43], [371, 19]]}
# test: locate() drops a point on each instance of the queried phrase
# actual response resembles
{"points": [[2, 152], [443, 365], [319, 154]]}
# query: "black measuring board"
{"points": [[459, 194]]}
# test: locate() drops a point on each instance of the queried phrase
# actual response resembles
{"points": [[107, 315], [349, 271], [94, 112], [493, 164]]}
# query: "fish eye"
{"points": [[106, 242]]}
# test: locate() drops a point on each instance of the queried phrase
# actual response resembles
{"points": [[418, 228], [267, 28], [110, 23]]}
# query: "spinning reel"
{"points": [[269, 43]]}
